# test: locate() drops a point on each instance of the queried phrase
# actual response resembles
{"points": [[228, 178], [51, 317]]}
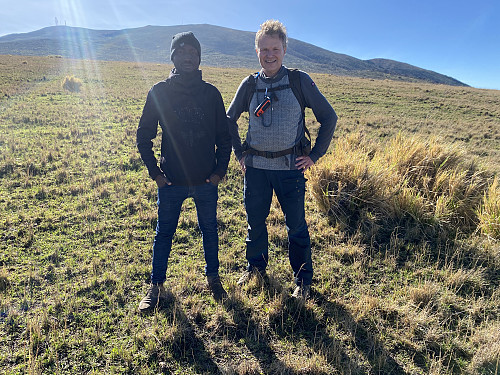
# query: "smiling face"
{"points": [[186, 59], [271, 52]]}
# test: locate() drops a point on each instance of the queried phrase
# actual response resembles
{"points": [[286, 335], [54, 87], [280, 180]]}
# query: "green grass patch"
{"points": [[403, 215]]}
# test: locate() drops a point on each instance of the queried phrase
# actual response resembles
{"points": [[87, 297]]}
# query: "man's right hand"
{"points": [[242, 164], [161, 181]]}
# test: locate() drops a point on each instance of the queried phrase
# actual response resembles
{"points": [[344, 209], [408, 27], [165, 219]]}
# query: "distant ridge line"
{"points": [[221, 47]]}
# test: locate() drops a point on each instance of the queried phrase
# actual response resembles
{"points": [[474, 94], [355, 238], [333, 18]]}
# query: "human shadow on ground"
{"points": [[294, 321], [254, 336], [181, 343], [361, 352]]}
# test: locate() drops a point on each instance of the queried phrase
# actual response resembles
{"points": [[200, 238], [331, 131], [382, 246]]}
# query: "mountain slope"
{"points": [[221, 46]]}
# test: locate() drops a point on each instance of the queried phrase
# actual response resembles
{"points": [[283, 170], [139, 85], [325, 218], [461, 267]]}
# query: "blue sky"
{"points": [[457, 38]]}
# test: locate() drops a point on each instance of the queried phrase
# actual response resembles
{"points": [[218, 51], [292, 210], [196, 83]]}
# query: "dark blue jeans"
{"points": [[170, 199], [289, 187]]}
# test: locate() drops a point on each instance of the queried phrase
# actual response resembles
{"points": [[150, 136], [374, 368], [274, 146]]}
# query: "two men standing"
{"points": [[196, 148]]}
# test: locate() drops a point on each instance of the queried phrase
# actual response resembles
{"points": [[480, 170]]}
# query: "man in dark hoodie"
{"points": [[195, 152]]}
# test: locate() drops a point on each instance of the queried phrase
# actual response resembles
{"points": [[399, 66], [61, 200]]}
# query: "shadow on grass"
{"points": [[364, 352], [363, 340], [255, 337], [182, 345], [359, 352]]}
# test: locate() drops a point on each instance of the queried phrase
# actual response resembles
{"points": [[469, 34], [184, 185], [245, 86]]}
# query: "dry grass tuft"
{"points": [[489, 213], [72, 84], [423, 295], [468, 280], [417, 188], [486, 359]]}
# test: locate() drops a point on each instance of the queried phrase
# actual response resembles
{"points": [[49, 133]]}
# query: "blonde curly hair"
{"points": [[272, 27]]}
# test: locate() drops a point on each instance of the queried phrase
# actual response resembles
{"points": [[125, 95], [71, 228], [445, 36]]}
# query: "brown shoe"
{"points": [[302, 292], [155, 297], [216, 288], [248, 275]]}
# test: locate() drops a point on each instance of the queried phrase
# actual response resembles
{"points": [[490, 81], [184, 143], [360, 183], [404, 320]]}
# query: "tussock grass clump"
{"points": [[419, 189], [424, 294], [489, 213], [346, 188], [486, 359], [72, 84]]}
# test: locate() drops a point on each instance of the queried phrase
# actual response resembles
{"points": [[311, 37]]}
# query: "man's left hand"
{"points": [[303, 163], [214, 179]]}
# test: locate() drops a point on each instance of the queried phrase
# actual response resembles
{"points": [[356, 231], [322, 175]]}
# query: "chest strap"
{"points": [[302, 148]]}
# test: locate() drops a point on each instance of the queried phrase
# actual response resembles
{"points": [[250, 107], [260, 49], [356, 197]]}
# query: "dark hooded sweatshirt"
{"points": [[195, 137]]}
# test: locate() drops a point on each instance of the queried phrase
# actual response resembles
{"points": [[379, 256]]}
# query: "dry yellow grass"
{"points": [[78, 216], [489, 213], [420, 188]]}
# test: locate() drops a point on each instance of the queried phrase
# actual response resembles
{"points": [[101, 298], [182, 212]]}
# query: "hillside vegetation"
{"points": [[222, 47], [404, 215]]}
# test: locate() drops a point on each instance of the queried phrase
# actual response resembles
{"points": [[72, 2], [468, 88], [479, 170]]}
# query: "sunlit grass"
{"points": [[79, 211], [489, 212], [417, 189]]}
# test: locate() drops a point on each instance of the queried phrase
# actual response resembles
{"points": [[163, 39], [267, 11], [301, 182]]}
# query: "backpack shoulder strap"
{"points": [[294, 81], [296, 86], [251, 87]]}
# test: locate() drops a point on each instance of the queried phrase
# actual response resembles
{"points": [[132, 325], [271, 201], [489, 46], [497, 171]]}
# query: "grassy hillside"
{"points": [[222, 47], [78, 216]]}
